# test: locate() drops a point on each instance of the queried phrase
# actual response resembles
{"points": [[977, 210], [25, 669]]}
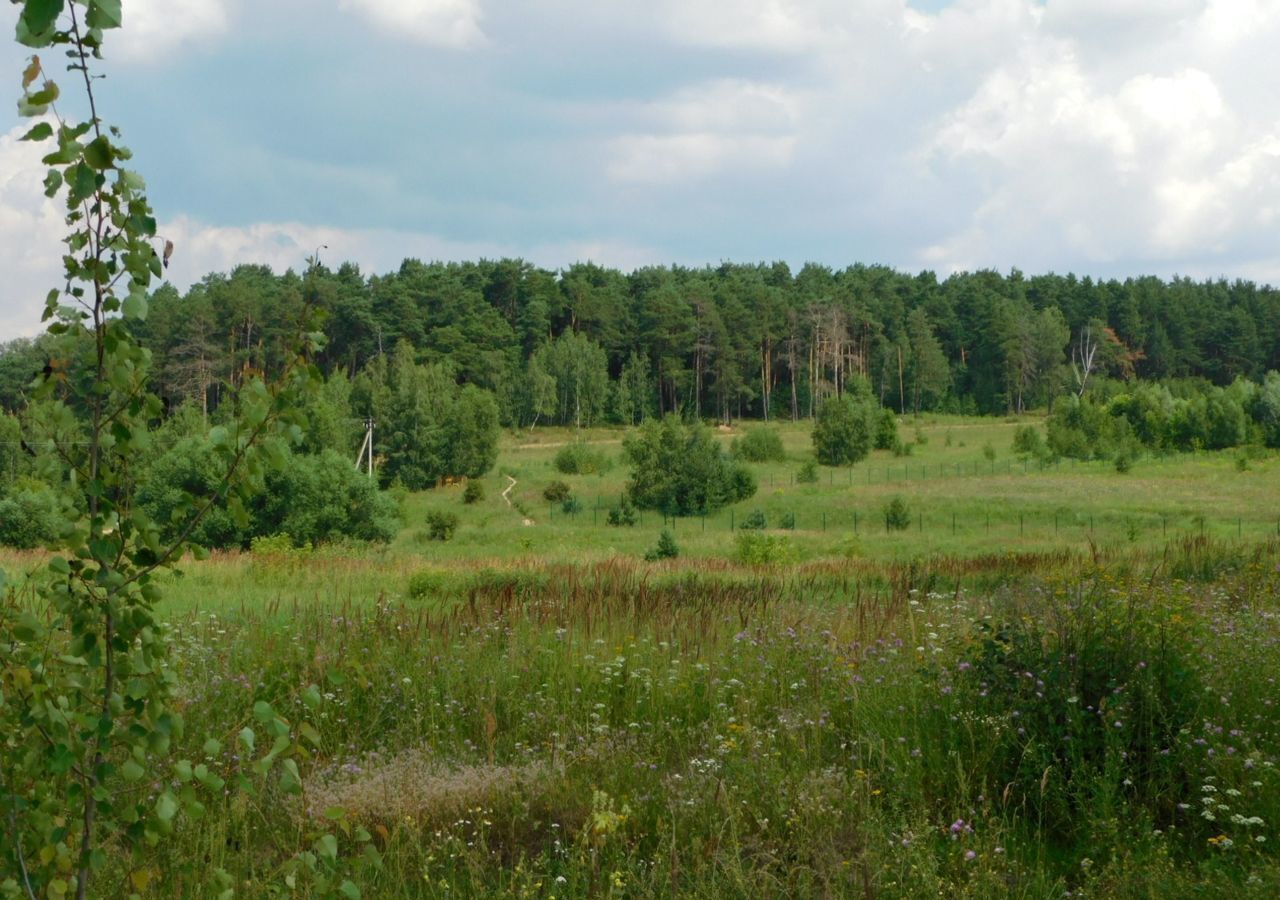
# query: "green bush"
{"points": [[273, 545], [427, 583], [761, 444], [571, 506], [1027, 441], [665, 549], [989, 452], [808, 473], [441, 525], [755, 549], [473, 493], [900, 449], [886, 436], [622, 515], [754, 521], [681, 470], [897, 515], [556, 492], [581, 459], [28, 518], [788, 521], [842, 431]]}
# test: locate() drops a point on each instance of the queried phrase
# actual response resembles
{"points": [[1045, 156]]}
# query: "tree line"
{"points": [[590, 345]]}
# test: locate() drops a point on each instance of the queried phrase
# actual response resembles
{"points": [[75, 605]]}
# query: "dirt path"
{"points": [[506, 495]]}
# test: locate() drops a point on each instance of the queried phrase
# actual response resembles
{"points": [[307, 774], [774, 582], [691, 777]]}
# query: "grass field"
{"points": [[1079, 700]]}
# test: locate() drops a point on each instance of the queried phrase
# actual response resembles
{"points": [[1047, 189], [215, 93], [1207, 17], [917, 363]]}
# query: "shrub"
{"points": [[622, 515], [788, 521], [765, 549], [989, 452], [473, 493], [759, 445], [755, 521], [665, 549], [921, 438], [900, 449], [681, 470], [281, 544], [441, 525], [886, 437], [556, 492], [28, 518], [897, 515], [808, 473], [580, 458], [1027, 441], [842, 432], [426, 583], [571, 506]]}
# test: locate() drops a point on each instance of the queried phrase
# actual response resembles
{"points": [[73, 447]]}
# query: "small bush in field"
{"points": [[755, 521], [761, 444], [765, 550], [571, 506], [808, 473], [989, 452], [788, 521], [426, 584], [581, 459], [441, 526], [665, 549], [473, 493], [556, 492], [897, 515], [900, 449], [622, 515]]}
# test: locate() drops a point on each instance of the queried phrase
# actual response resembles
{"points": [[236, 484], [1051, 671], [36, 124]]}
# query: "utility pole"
{"points": [[366, 447]]}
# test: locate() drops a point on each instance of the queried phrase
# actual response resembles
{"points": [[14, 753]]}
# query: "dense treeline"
{"points": [[592, 344]]}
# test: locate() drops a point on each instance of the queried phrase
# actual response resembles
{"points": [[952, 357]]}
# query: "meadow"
{"points": [[1078, 699]]}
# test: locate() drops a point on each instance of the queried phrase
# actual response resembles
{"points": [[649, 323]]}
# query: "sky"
{"points": [[1102, 137]]}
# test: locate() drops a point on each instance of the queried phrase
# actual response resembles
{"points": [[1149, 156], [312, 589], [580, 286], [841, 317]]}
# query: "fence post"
{"points": [[855, 521], [731, 520], [953, 523], [824, 521], [920, 522], [1022, 520], [704, 520]]}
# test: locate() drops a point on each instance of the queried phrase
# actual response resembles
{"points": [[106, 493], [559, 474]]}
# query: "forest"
{"points": [[592, 345]]}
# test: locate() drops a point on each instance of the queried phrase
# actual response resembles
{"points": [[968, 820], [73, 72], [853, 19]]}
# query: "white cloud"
{"points": [[155, 29], [31, 227], [444, 23], [706, 130]]}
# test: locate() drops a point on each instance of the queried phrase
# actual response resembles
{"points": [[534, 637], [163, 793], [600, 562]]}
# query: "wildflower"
{"points": [[970, 854]]}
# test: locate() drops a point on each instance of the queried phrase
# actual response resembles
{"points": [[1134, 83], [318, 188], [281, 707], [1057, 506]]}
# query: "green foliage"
{"points": [[1028, 442], [622, 515], [788, 521], [441, 525], [1101, 683], [842, 432], [473, 493], [755, 549], [886, 435], [666, 548], [760, 444], [571, 506], [754, 521], [556, 492], [897, 515], [432, 429], [89, 777], [426, 584], [808, 472], [30, 516], [989, 452], [900, 449], [579, 458], [679, 469]]}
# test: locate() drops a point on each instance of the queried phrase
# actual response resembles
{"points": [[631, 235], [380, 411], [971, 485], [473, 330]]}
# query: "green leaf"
{"points": [[349, 890], [327, 847], [104, 14], [135, 307], [52, 182], [37, 20], [247, 738], [132, 771], [290, 780], [263, 712], [166, 807], [100, 154], [311, 697], [39, 132], [308, 732], [212, 747]]}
